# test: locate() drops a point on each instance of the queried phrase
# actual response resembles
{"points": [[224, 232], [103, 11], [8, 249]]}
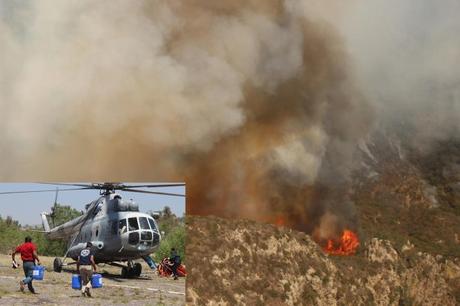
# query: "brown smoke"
{"points": [[252, 102]]}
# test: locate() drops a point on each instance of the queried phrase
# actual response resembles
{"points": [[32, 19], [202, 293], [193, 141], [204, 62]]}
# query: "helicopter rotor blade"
{"points": [[106, 186], [114, 185], [90, 186], [44, 190], [155, 192], [155, 185]]}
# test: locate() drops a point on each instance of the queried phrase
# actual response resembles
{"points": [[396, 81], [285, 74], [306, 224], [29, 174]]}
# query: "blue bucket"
{"points": [[76, 281], [38, 273], [96, 281]]}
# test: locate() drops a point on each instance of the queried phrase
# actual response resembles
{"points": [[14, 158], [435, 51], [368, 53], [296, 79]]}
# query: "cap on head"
{"points": [[28, 239]]}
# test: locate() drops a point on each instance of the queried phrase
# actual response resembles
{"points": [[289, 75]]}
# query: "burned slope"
{"points": [[403, 191], [239, 262]]}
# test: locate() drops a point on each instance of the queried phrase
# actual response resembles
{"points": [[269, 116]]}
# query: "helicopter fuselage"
{"points": [[115, 227]]}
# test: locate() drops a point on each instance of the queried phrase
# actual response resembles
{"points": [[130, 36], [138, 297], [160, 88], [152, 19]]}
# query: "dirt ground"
{"points": [[55, 289]]}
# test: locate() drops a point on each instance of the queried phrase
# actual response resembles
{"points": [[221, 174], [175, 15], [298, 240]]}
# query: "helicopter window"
{"points": [[97, 232], [156, 238], [146, 235], [144, 223], [133, 238], [152, 224], [133, 225], [122, 226]]}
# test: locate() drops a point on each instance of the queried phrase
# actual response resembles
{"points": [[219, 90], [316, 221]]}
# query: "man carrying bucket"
{"points": [[28, 252], [85, 259]]}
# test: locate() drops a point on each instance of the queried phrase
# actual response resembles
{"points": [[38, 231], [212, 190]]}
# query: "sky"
{"points": [[26, 207]]}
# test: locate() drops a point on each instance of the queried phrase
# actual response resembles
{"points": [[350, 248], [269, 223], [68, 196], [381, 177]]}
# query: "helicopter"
{"points": [[118, 231]]}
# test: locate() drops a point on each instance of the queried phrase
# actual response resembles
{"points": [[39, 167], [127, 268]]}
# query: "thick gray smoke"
{"points": [[259, 105], [101, 89], [406, 55]]}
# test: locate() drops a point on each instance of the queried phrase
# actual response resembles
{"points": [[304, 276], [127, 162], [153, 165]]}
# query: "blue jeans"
{"points": [[28, 267]]}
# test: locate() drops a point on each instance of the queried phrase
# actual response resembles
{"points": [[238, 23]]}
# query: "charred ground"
{"points": [[406, 193]]}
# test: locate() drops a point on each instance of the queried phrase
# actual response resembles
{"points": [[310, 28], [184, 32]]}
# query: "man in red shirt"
{"points": [[28, 252]]}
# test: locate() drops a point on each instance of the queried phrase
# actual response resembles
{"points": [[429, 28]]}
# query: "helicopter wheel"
{"points": [[125, 272], [57, 265], [137, 269]]}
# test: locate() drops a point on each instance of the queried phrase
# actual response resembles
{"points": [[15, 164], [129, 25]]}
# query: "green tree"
{"points": [[12, 234], [63, 213], [60, 215], [175, 239], [173, 234], [167, 221]]}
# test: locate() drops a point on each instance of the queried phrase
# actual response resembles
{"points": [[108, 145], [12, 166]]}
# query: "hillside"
{"points": [[239, 262], [407, 202], [406, 192]]}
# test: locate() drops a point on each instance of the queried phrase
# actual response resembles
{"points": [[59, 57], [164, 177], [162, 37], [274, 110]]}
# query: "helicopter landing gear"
{"points": [[57, 265], [124, 272], [137, 269], [132, 270]]}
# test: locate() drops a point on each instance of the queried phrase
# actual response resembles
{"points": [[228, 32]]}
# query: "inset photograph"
{"points": [[113, 243]]}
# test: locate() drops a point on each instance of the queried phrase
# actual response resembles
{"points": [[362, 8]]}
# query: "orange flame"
{"points": [[346, 245], [280, 221]]}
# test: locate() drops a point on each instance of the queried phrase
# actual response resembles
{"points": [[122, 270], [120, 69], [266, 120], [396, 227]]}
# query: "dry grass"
{"points": [[55, 289]]}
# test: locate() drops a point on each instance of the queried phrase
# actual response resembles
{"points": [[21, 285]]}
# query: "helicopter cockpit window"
{"points": [[144, 223], [133, 225], [122, 226], [152, 224]]}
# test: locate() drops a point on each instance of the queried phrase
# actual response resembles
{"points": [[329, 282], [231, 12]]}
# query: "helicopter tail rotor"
{"points": [[53, 209]]}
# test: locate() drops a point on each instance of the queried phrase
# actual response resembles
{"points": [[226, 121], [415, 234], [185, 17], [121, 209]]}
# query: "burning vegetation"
{"points": [[347, 244]]}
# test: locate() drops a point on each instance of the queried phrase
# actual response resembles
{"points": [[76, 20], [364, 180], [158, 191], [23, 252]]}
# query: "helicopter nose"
{"points": [[143, 239]]}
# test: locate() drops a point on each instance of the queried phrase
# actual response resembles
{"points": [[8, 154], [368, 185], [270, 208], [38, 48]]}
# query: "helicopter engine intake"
{"points": [[121, 205]]}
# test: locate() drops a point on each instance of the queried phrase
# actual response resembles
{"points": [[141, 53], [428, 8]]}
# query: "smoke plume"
{"points": [[257, 105], [405, 55]]}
